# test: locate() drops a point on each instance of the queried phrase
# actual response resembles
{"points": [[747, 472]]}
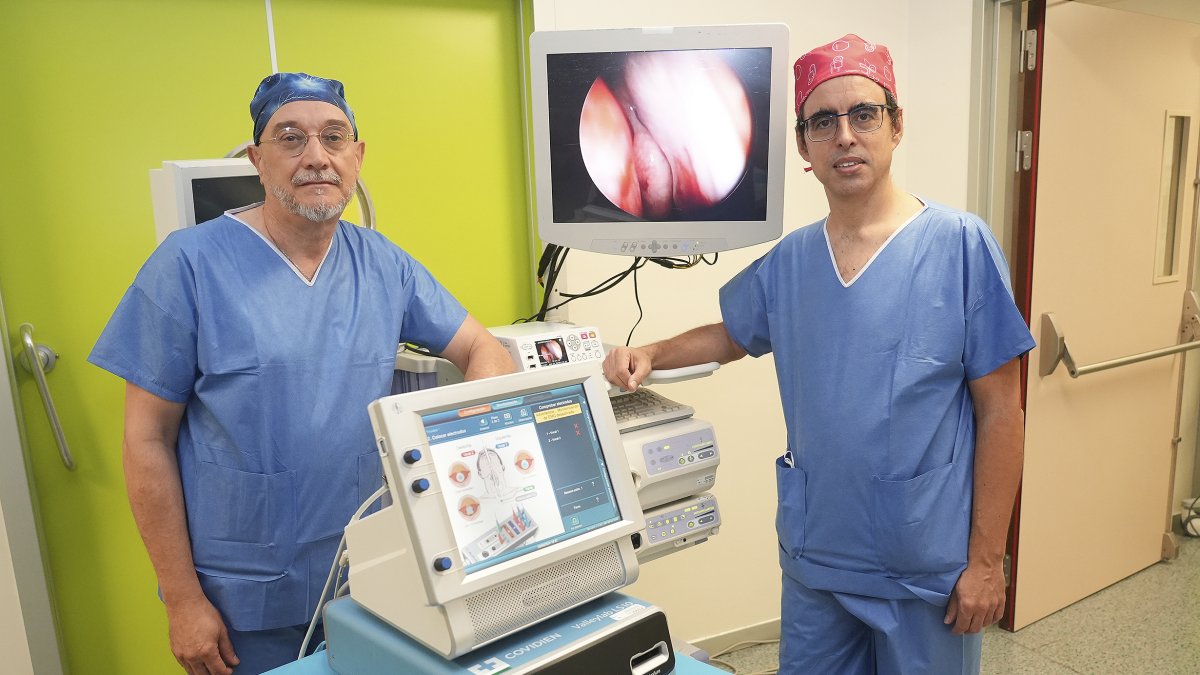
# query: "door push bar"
{"points": [[1054, 343], [39, 360]]}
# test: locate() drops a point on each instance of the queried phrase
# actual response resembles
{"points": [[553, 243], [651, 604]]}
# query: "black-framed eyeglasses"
{"points": [[292, 141], [863, 119]]}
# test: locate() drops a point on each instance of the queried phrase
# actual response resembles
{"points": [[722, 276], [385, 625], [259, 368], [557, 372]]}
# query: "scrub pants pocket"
{"points": [[922, 524], [242, 523], [791, 483]]}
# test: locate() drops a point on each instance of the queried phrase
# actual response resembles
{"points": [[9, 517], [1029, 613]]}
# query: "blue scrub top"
{"points": [[275, 447], [873, 379]]}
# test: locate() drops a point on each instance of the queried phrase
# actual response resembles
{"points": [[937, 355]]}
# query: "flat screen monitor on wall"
{"points": [[660, 141]]}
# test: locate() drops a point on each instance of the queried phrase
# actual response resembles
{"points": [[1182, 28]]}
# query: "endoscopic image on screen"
{"points": [[551, 352], [659, 135]]}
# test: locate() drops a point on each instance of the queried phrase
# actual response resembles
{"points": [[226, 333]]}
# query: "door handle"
{"points": [[39, 360], [1054, 343]]}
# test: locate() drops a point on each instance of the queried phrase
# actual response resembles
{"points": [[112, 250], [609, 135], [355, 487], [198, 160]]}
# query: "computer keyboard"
{"points": [[645, 408]]}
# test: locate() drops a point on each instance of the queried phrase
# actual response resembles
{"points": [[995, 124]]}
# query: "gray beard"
{"points": [[316, 214]]}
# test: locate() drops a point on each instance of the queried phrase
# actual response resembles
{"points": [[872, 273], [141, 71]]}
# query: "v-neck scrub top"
{"points": [[275, 447], [875, 490]]}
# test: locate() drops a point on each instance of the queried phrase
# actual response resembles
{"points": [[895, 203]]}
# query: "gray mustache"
{"points": [[328, 176]]}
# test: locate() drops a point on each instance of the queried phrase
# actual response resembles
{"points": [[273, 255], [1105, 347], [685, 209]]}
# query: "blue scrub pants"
{"points": [[263, 650], [824, 632]]}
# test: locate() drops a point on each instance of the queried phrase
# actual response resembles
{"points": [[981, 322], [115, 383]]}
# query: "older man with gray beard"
{"points": [[251, 345]]}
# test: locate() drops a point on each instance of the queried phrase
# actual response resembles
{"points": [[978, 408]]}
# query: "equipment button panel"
{"points": [[679, 522]]}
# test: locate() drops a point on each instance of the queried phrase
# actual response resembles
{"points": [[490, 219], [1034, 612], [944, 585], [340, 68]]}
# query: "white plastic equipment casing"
{"points": [[171, 189], [392, 551], [679, 525], [582, 343], [673, 460]]}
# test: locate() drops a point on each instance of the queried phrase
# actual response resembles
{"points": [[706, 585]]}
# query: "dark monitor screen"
{"points": [[212, 197]]}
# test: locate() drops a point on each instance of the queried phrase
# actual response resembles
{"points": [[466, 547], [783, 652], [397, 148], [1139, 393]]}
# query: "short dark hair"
{"points": [[888, 98]]}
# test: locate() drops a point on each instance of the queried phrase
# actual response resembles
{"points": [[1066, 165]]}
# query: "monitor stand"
{"points": [[611, 635]]}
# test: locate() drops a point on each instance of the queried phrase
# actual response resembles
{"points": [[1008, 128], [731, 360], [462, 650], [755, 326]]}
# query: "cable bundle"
{"points": [[555, 256]]}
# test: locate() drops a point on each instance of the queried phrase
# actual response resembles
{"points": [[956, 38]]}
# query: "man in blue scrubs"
{"points": [[251, 346], [897, 346]]}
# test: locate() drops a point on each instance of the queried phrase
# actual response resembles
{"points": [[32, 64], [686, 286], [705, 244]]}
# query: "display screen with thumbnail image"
{"points": [[551, 352], [520, 474]]}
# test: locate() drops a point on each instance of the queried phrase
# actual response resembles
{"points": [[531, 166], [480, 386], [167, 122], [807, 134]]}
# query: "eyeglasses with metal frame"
{"points": [[863, 119], [292, 141]]}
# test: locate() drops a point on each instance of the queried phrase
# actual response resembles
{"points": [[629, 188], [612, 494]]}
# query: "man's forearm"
{"points": [[696, 346], [156, 499], [999, 457], [488, 359], [476, 352]]}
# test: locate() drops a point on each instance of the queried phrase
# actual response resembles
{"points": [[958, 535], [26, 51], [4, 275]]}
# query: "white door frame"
{"points": [[28, 635]]}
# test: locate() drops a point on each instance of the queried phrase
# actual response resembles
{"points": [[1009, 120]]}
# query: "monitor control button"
{"points": [[420, 485], [412, 456], [442, 564]]}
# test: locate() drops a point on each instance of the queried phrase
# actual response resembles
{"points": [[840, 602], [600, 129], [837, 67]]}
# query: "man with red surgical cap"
{"points": [[897, 347]]}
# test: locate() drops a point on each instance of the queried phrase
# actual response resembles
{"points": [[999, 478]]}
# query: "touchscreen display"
{"points": [[520, 474]]}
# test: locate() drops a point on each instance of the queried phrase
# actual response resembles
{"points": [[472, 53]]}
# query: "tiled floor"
{"points": [[1148, 623]]}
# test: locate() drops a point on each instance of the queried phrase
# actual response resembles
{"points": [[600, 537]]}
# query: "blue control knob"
{"points": [[412, 456], [442, 564], [420, 485]]}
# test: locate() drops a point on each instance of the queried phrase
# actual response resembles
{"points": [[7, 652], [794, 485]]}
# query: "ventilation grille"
{"points": [[503, 609]]}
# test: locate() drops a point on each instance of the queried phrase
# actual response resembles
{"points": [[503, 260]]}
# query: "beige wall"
{"points": [[732, 581]]}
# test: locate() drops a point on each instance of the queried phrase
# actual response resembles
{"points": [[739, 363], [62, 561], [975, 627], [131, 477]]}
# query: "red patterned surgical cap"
{"points": [[849, 55]]}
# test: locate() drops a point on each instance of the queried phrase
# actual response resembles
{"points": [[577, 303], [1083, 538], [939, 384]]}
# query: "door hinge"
{"points": [[1028, 56], [1024, 150]]}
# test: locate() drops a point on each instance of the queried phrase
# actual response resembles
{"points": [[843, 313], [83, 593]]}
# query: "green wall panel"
{"points": [[98, 93]]}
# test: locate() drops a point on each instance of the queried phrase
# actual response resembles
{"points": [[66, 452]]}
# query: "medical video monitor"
{"points": [[512, 500], [189, 192], [660, 141], [215, 195]]}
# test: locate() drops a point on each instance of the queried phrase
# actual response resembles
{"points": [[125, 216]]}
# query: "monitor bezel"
{"points": [[171, 188], [648, 238], [189, 171], [399, 427]]}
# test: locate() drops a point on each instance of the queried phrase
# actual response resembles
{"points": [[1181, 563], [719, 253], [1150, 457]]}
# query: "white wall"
{"points": [[12, 624], [27, 631], [733, 580]]}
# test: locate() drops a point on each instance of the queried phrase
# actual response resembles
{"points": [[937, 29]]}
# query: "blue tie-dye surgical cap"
{"points": [[281, 88]]}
